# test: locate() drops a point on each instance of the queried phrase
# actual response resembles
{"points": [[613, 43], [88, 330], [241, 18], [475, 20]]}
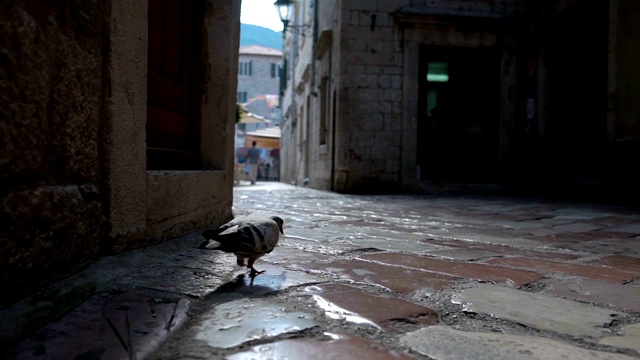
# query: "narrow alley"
{"points": [[375, 277]]}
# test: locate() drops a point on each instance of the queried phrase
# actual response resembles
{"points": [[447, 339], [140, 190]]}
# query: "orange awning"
{"points": [[262, 142], [268, 138]]}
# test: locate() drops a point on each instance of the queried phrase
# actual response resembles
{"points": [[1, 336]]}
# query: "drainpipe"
{"points": [[333, 137], [315, 41]]}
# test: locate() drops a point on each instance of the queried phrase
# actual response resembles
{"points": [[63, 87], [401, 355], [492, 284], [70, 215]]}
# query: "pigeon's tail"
{"points": [[211, 233], [217, 238], [210, 245]]}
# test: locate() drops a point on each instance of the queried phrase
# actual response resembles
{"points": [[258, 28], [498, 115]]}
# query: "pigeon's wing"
{"points": [[248, 239], [255, 238], [230, 231], [212, 233]]}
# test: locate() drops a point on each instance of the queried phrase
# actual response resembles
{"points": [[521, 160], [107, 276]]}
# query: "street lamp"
{"points": [[284, 8], [285, 12]]}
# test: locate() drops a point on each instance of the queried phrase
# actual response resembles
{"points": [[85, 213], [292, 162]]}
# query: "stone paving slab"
{"points": [[545, 266], [399, 279], [521, 225], [309, 245], [342, 302], [400, 243], [274, 279], [489, 236], [626, 297], [238, 321], [453, 268], [463, 254], [504, 250], [560, 241], [619, 262], [551, 220], [196, 282], [630, 228], [614, 220], [445, 343], [577, 227], [584, 242], [538, 311], [285, 255], [107, 326], [595, 242], [346, 238], [628, 338], [579, 213], [607, 234], [341, 346]]}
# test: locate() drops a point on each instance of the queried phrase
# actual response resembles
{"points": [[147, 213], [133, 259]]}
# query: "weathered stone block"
{"points": [[50, 164], [384, 81], [393, 95]]}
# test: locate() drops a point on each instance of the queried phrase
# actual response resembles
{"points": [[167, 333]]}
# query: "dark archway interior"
{"points": [[459, 99]]}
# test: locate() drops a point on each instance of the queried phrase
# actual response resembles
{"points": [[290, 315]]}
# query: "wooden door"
{"points": [[174, 94]]}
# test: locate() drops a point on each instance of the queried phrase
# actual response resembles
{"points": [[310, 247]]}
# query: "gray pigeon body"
{"points": [[247, 238]]}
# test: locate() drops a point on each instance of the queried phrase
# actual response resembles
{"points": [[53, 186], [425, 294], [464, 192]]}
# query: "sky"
{"points": [[261, 13]]}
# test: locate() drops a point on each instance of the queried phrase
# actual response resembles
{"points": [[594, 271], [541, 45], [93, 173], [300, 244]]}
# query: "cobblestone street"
{"points": [[361, 277]]}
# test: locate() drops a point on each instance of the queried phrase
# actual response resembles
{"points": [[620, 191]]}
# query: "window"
{"points": [[244, 68], [242, 96], [274, 70], [284, 76]]}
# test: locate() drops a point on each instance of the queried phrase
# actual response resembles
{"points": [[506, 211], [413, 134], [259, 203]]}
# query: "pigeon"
{"points": [[247, 238]]}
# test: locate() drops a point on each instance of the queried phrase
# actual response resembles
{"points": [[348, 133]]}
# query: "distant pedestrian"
{"points": [[254, 160]]}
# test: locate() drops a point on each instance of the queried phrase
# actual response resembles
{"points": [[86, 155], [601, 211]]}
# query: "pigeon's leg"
{"points": [[254, 272], [240, 261]]}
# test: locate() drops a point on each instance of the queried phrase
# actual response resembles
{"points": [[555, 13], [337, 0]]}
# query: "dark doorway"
{"points": [[577, 61], [458, 114], [174, 85]]}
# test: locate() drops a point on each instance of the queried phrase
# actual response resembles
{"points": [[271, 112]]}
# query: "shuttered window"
{"points": [[244, 68]]}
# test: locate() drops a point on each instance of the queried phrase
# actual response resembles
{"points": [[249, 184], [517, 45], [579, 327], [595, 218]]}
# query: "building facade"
{"points": [[407, 95], [111, 138], [259, 81]]}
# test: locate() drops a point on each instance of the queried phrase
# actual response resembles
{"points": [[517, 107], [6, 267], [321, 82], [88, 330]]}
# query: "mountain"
{"points": [[258, 35]]}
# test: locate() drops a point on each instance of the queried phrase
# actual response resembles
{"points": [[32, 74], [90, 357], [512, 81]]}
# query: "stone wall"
{"points": [[370, 97], [51, 94]]}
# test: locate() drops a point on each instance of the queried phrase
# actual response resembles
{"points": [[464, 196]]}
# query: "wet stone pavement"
{"points": [[361, 277]]}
